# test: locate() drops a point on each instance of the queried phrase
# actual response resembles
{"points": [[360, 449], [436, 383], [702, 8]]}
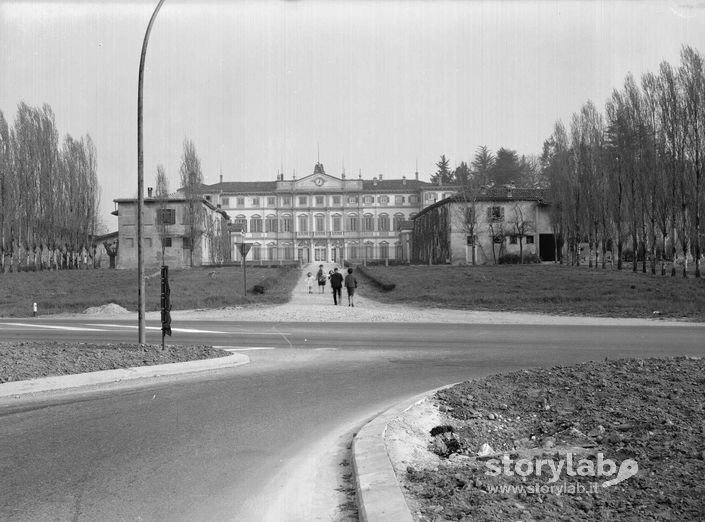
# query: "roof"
{"points": [[395, 184], [494, 194], [171, 199], [241, 186]]}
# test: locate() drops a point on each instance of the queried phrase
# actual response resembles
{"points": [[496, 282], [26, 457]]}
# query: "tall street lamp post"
{"points": [[140, 185]]}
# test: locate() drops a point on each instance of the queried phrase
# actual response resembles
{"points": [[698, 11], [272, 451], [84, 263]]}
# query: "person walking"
{"points": [[336, 283], [309, 282], [350, 285], [321, 276]]}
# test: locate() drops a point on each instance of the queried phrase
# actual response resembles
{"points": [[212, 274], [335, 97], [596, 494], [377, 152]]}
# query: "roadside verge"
{"points": [[64, 382], [379, 495]]}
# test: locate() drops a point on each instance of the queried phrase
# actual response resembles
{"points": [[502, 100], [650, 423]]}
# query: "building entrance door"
{"points": [[319, 254], [304, 255]]}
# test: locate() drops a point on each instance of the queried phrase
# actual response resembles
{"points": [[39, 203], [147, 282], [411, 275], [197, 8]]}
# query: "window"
{"points": [[303, 201], [470, 240], [271, 224], [186, 243], [337, 224], [352, 252], [320, 223], [320, 201], [413, 200], [208, 198], [336, 200], [352, 200], [529, 240], [430, 196], [242, 221], [383, 223], [398, 219], [352, 223], [512, 240], [384, 200], [271, 252], [368, 223], [286, 201], [241, 202], [255, 202], [368, 200], [256, 253], [256, 224], [495, 214], [384, 250], [303, 223], [398, 200], [285, 224], [166, 242], [167, 216], [224, 202], [271, 201]]}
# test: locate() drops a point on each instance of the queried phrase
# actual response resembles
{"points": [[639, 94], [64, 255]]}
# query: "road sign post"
{"points": [[166, 303], [244, 248]]}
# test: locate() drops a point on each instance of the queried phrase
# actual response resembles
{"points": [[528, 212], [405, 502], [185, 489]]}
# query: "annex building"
{"points": [[323, 218]]}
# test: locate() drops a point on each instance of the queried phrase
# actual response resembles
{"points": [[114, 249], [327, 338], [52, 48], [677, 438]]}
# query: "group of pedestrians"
{"points": [[337, 281]]}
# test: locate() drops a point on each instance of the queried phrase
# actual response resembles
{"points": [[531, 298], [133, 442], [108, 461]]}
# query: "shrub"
{"points": [[381, 284], [515, 259]]}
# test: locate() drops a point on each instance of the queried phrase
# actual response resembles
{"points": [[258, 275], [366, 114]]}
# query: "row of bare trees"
{"points": [[49, 194], [629, 180]]}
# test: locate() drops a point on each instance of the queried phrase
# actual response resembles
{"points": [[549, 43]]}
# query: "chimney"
{"points": [[374, 181], [380, 177], [417, 175], [221, 178], [149, 192], [403, 180]]}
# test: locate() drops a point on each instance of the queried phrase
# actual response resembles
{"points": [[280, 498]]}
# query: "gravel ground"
{"points": [[30, 360], [645, 414]]}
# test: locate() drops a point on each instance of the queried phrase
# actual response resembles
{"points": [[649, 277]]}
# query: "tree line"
{"points": [[629, 179], [49, 193]]}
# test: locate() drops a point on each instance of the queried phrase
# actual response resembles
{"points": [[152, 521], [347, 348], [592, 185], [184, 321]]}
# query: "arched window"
{"points": [[303, 223], [384, 250], [242, 221], [320, 223], [398, 218], [271, 224], [351, 223], [384, 223], [337, 222], [368, 223], [285, 224], [256, 224]]}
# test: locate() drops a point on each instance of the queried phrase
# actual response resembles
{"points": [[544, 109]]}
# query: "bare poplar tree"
{"points": [[191, 181], [163, 218]]}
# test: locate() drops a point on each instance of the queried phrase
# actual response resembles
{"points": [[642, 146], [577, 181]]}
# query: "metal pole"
{"points": [[244, 274], [140, 186]]}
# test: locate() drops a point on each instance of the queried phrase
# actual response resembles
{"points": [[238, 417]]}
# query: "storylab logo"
{"points": [[569, 466]]}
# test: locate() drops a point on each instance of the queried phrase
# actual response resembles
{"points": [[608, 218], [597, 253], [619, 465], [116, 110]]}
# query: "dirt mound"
{"points": [[108, 309]]}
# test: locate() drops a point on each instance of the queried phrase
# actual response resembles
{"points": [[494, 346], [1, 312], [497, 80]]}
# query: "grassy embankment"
{"points": [[552, 289], [75, 290]]}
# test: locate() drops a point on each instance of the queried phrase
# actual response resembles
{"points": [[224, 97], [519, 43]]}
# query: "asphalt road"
{"points": [[220, 446]]}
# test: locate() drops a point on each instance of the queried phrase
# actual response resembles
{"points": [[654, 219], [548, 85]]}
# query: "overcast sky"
{"points": [[374, 86]]}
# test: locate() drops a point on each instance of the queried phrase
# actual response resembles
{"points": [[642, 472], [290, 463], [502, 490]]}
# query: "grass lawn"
{"points": [[544, 288], [76, 290]]}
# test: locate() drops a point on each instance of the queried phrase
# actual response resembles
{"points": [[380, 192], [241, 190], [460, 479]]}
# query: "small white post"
{"points": [[34, 309]]}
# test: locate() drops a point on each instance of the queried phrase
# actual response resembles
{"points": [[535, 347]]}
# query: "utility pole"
{"points": [[140, 186]]}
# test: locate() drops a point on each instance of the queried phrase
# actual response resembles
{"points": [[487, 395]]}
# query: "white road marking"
{"points": [[55, 327], [183, 330], [236, 349]]}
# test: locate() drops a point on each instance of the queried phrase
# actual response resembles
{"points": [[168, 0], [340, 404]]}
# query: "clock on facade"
{"points": [[318, 181]]}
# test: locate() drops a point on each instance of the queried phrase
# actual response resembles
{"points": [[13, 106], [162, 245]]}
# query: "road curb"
{"points": [[63, 382], [379, 495]]}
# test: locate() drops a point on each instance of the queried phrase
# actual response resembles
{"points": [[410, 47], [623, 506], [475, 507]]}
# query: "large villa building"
{"points": [[323, 218]]}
